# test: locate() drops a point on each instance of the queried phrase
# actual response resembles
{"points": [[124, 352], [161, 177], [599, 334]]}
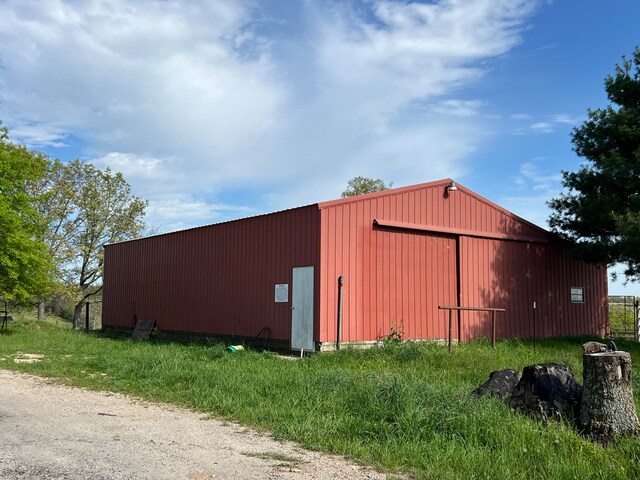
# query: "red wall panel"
{"points": [[214, 279], [404, 268], [502, 274], [565, 317], [513, 275], [392, 276]]}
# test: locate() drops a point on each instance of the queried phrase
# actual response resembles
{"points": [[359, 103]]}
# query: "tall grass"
{"points": [[405, 407]]}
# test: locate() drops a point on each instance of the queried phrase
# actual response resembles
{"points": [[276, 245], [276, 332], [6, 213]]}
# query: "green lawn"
{"points": [[401, 408]]}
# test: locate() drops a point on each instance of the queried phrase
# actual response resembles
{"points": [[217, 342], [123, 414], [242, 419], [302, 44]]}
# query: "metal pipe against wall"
{"points": [[340, 285], [476, 309], [534, 325], [450, 329]]}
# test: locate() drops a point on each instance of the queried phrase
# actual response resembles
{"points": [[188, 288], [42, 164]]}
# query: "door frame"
{"points": [[302, 308]]}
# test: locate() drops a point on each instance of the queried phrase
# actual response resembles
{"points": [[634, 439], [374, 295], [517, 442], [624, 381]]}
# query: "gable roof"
{"points": [[512, 224], [533, 231]]}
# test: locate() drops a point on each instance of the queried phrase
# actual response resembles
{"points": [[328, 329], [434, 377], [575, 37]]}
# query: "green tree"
{"points": [[24, 260], [599, 212], [105, 211], [54, 196], [362, 185]]}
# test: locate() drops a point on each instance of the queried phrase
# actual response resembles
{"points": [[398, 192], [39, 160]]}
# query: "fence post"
{"points": [[86, 316], [475, 309], [635, 319], [625, 314], [493, 329]]}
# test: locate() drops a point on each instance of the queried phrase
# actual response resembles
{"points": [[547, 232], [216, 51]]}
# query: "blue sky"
{"points": [[220, 110]]}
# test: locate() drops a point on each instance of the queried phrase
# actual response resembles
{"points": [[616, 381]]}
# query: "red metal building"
{"points": [[402, 252]]}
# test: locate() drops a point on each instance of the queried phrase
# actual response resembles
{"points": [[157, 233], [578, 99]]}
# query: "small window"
{"points": [[577, 294]]}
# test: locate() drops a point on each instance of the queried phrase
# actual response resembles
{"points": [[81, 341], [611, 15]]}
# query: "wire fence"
{"points": [[623, 316]]}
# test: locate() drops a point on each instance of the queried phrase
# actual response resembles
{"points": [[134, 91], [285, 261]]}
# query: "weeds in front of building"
{"points": [[401, 409]]}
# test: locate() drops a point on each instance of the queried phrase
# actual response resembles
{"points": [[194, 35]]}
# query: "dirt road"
{"points": [[48, 431]]}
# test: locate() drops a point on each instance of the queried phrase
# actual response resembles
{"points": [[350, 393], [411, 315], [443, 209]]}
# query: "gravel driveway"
{"points": [[49, 431]]}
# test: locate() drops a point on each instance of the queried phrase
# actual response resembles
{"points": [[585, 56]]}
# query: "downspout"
{"points": [[458, 288], [340, 285]]}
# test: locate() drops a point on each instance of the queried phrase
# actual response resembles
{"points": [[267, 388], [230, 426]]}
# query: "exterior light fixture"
{"points": [[452, 187]]}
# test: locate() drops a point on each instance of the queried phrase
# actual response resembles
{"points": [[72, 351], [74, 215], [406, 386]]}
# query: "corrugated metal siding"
{"points": [[215, 279], [427, 204], [503, 274], [402, 274], [513, 275], [392, 276], [566, 318], [220, 279]]}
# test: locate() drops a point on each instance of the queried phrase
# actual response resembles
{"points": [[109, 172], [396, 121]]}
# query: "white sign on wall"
{"points": [[577, 294], [282, 292]]}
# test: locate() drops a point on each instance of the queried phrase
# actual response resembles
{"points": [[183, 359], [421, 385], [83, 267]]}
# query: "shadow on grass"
{"points": [[167, 338]]}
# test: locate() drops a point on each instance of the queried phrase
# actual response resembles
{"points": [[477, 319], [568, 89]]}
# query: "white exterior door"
{"points": [[302, 309]]}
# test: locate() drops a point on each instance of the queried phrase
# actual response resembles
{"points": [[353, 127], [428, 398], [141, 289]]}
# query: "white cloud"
{"points": [[546, 126], [180, 211], [377, 79], [190, 98], [137, 168], [39, 135], [534, 188], [565, 119], [533, 208], [412, 51], [542, 127], [157, 77], [533, 178], [458, 108]]}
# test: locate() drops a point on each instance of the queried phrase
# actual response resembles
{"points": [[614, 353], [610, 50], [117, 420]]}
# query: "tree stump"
{"points": [[608, 409], [548, 391], [501, 383]]}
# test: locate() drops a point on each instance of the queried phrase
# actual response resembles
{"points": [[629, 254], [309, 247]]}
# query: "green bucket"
{"points": [[235, 348]]}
